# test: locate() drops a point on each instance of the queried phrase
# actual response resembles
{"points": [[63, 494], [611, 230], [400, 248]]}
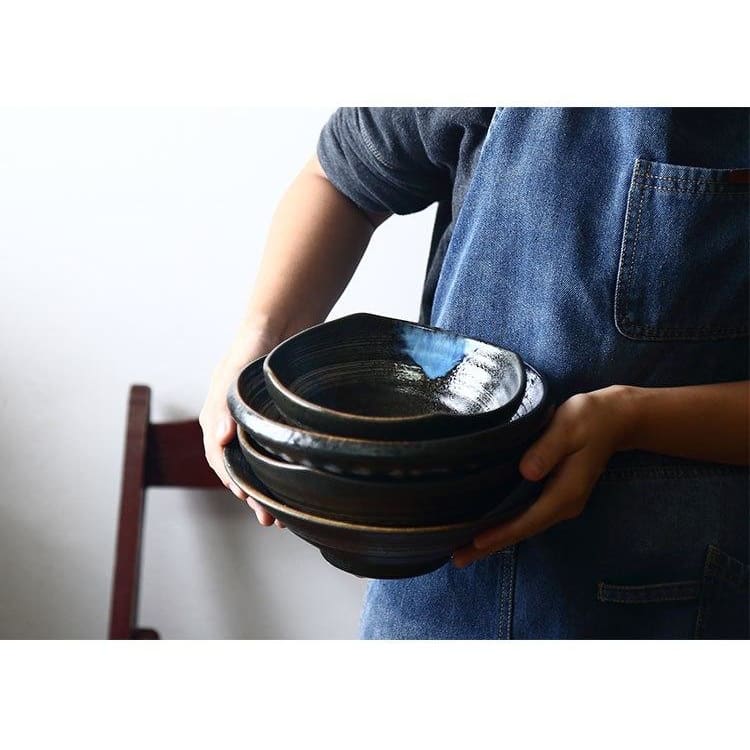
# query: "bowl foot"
{"points": [[369, 568]]}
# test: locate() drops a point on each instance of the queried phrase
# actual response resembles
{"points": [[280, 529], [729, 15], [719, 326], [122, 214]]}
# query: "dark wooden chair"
{"points": [[156, 455]]}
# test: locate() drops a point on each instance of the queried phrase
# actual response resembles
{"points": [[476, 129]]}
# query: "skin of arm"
{"points": [[703, 422], [316, 240]]}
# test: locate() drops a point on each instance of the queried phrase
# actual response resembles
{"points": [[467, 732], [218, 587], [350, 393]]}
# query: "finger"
{"points": [[556, 442], [225, 428], [217, 432], [263, 516], [559, 501], [215, 459], [535, 519]]}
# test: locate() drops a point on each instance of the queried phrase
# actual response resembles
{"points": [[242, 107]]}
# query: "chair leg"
{"points": [[145, 634], [126, 578]]}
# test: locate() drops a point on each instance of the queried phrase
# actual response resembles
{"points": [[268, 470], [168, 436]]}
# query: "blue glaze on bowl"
{"points": [[435, 356]]}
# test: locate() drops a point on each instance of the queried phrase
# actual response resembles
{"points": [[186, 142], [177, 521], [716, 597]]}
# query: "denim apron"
{"points": [[605, 246]]}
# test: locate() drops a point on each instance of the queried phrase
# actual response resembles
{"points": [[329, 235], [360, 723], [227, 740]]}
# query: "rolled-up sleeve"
{"points": [[385, 159]]}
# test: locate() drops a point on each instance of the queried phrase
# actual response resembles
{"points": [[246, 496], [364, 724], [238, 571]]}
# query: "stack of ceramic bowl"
{"points": [[386, 444]]}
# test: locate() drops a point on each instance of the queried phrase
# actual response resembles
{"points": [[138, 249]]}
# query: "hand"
{"points": [[584, 433], [216, 422]]}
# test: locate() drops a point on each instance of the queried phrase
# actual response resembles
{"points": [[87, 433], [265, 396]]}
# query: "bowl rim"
{"points": [[274, 504], [275, 463], [367, 447], [277, 385]]}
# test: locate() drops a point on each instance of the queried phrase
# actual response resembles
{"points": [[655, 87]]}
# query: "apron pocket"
{"points": [[683, 272], [721, 594], [680, 591], [724, 606], [654, 611]]}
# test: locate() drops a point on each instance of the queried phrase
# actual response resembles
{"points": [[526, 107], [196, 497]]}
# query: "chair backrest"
{"points": [[156, 455]]}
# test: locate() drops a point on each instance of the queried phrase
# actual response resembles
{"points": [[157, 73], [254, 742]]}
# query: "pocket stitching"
{"points": [[690, 181], [712, 193], [690, 592], [627, 260], [637, 235]]}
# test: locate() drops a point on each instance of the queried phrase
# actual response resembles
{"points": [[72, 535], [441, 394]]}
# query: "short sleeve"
{"points": [[388, 159]]}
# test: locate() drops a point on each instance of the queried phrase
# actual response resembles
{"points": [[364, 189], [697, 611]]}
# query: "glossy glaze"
{"points": [[253, 409], [456, 496], [375, 551], [374, 377]]}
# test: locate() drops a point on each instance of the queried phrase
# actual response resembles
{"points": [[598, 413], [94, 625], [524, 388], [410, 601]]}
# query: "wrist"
{"points": [[625, 406], [266, 327], [256, 335]]}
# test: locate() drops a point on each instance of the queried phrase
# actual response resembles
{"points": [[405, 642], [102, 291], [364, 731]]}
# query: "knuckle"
{"points": [[578, 400], [571, 412]]}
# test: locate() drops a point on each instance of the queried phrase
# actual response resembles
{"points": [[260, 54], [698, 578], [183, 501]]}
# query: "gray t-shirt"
{"points": [[403, 159]]}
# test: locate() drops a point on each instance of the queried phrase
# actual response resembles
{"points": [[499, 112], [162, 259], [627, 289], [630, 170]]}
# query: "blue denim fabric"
{"points": [[605, 246]]}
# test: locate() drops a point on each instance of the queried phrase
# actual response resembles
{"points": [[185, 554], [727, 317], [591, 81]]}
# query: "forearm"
{"points": [[316, 240], [704, 422]]}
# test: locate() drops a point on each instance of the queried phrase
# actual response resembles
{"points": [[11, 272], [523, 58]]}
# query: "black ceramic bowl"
{"points": [[376, 551], [252, 408], [455, 497], [373, 377]]}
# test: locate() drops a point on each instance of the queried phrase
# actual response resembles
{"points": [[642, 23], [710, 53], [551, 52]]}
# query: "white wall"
{"points": [[128, 242]]}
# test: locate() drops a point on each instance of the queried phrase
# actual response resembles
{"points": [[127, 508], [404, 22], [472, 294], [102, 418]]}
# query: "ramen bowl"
{"points": [[373, 377], [376, 551]]}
